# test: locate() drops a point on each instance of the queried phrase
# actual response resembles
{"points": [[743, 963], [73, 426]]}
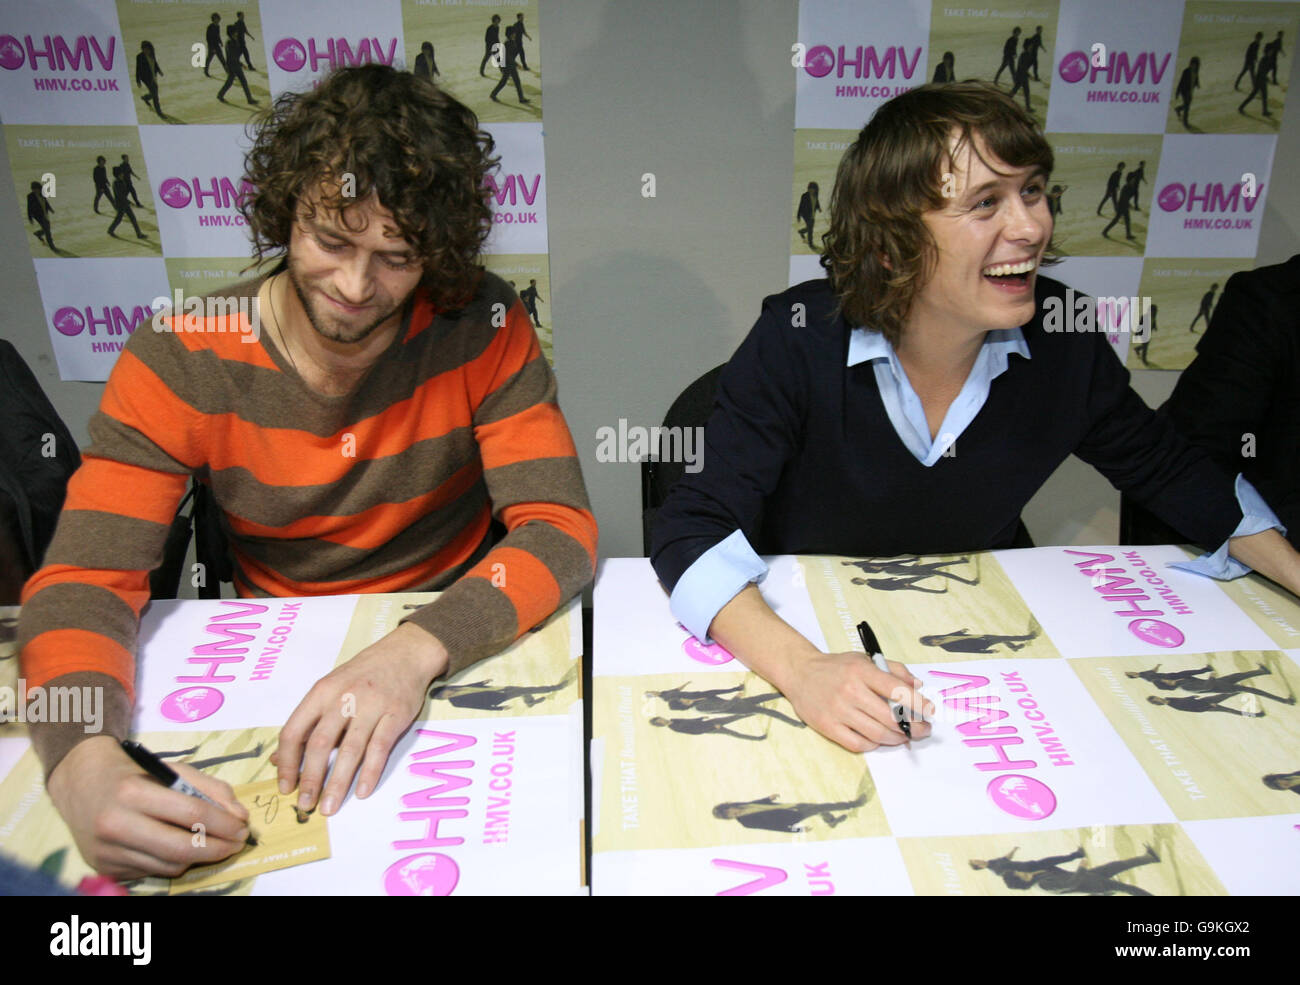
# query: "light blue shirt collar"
{"points": [[903, 405]]}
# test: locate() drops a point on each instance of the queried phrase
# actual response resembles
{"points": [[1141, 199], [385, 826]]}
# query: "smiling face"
{"points": [[990, 238], [353, 273]]}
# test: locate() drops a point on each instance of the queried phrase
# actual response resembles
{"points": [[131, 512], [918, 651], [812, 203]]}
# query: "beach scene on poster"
{"points": [[1100, 193], [1126, 860], [724, 761], [529, 275], [1183, 296], [195, 63], [1008, 44], [1233, 64], [928, 609], [817, 155], [476, 51], [1179, 713], [93, 186], [538, 674]]}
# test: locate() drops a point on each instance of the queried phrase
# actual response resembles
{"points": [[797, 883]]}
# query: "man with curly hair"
{"points": [[914, 401], [392, 427]]}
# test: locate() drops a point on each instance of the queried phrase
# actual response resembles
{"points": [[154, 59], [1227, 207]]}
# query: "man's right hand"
{"points": [[127, 825], [845, 697]]}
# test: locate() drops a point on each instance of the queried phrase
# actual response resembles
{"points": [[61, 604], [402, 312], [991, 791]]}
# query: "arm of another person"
{"points": [[79, 624], [1142, 454], [703, 556], [535, 484], [1224, 395]]}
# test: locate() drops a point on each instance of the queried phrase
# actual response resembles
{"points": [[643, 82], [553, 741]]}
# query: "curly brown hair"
{"points": [[400, 138], [878, 252]]}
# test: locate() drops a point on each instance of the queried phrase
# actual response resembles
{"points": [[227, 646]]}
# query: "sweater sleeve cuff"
{"points": [[1256, 517], [471, 619], [715, 578], [105, 709]]}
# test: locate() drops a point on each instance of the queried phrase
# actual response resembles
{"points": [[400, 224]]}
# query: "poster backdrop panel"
{"points": [[93, 306], [1163, 118], [851, 57], [63, 63], [302, 44], [1114, 67], [197, 177], [126, 129]]}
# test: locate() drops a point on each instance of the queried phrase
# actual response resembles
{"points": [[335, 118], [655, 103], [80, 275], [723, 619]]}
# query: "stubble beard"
{"points": [[320, 326]]}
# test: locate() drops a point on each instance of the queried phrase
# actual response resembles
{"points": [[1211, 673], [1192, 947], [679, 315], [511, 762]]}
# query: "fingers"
{"points": [[325, 735], [218, 790], [289, 751], [351, 751], [181, 811], [909, 695], [860, 720], [386, 734], [150, 830]]}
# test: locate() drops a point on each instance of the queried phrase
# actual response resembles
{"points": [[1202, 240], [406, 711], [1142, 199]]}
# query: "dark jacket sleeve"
{"points": [[756, 425], [1143, 455], [1239, 399]]}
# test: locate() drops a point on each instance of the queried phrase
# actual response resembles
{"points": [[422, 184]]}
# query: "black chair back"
{"points": [[691, 409]]}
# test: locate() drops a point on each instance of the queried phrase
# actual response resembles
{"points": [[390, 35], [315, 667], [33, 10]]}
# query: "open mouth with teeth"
{"points": [[1010, 274]]}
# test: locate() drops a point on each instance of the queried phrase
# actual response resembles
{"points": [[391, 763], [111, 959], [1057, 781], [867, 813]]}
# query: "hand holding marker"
{"points": [[872, 646], [168, 777]]}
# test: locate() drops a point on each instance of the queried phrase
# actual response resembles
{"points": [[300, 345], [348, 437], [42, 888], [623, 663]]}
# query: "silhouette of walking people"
{"points": [[769, 814], [1046, 873]]}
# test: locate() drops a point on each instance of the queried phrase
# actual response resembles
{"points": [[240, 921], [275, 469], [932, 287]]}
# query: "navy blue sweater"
{"points": [[801, 456]]}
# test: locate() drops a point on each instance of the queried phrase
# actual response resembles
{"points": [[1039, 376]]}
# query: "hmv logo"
{"points": [[863, 62], [1119, 68], [57, 53], [70, 320], [1211, 197], [292, 55], [223, 193]]}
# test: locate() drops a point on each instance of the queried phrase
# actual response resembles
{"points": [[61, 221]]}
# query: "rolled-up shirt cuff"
{"points": [[1256, 517], [715, 578]]}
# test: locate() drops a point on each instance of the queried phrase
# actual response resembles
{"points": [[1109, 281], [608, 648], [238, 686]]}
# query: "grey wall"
{"points": [[650, 292]]}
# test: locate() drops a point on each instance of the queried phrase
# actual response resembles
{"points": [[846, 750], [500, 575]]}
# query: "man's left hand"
{"points": [[363, 708]]}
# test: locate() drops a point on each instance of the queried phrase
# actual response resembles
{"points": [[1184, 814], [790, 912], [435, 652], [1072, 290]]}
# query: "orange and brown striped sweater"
{"points": [[390, 488]]}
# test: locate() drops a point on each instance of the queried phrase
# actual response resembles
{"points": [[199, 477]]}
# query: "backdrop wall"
{"points": [[651, 291]]}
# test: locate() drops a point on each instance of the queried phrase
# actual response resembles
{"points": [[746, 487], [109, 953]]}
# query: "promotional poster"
{"points": [[127, 122], [1103, 724], [482, 795], [1163, 119]]}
